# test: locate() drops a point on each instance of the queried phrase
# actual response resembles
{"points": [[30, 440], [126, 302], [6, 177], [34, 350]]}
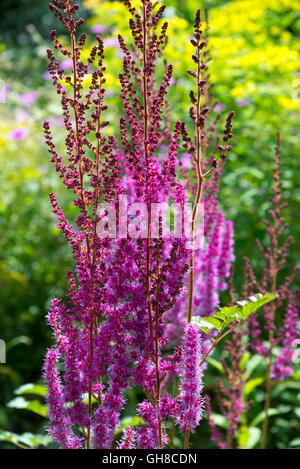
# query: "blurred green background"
{"points": [[256, 67]]}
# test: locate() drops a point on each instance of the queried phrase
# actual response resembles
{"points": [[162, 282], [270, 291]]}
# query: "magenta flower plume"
{"points": [[60, 428], [122, 322], [128, 441], [191, 380], [289, 336]]}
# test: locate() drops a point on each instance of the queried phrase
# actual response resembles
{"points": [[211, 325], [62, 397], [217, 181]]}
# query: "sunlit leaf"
{"points": [[31, 388], [33, 406]]}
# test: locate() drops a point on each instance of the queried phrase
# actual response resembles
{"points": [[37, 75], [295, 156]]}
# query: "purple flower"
{"points": [[191, 380], [59, 423], [128, 441], [98, 28], [22, 116], [110, 42], [289, 338], [4, 89], [243, 102], [219, 107], [66, 64], [186, 161], [47, 75], [28, 99], [19, 133]]}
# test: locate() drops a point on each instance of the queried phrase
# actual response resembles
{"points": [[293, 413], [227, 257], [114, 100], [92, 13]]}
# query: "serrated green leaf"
{"points": [[229, 310], [252, 306], [197, 321], [228, 321], [220, 315], [213, 321]]}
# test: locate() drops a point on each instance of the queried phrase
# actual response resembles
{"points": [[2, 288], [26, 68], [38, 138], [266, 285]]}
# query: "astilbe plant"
{"points": [[281, 329], [127, 320], [280, 333], [109, 333], [230, 392], [209, 267]]}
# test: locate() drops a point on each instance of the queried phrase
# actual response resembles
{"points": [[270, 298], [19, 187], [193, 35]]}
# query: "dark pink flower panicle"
{"points": [[191, 380]]}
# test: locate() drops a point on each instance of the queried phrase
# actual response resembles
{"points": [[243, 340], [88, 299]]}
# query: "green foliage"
{"points": [[229, 314], [28, 440], [25, 440], [32, 406]]}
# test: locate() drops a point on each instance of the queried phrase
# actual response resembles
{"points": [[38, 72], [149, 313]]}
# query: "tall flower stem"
{"points": [[146, 150], [198, 161], [91, 323], [271, 342], [199, 113], [148, 253], [273, 268]]}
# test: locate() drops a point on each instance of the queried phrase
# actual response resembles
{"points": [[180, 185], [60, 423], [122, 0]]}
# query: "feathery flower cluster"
{"points": [[111, 332], [289, 338], [127, 320], [275, 256], [210, 265], [191, 380]]}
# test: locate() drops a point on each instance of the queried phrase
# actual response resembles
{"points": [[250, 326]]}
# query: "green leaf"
{"points": [[253, 363], [26, 440], [295, 442], [244, 360], [22, 339], [204, 326], [31, 388], [229, 310], [260, 417], [129, 422], [213, 321], [226, 315], [250, 385], [255, 303], [216, 364], [220, 420], [33, 406], [248, 437], [85, 399]]}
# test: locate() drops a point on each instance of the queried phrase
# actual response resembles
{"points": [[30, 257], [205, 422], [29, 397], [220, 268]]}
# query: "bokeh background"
{"points": [[255, 45]]}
